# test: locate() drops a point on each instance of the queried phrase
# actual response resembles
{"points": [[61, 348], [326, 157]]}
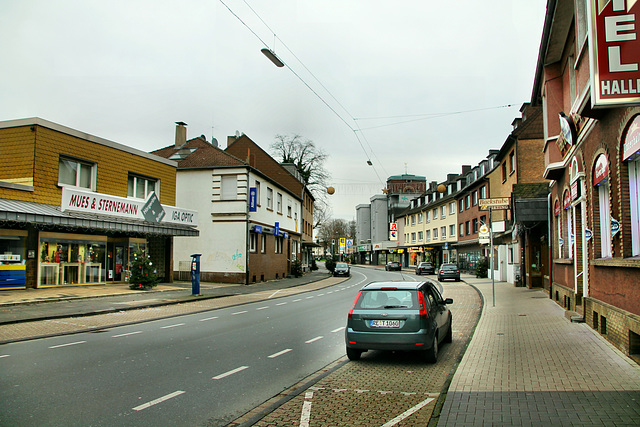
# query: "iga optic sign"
{"points": [[614, 52]]}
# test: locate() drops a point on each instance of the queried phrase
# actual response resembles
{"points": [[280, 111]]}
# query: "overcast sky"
{"points": [[424, 84]]}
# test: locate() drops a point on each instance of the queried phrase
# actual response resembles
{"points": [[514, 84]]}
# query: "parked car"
{"points": [[393, 265], [425, 267], [449, 271], [342, 269], [410, 316]]}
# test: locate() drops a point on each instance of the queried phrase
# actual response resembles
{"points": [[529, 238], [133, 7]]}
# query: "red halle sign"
{"points": [[614, 52]]}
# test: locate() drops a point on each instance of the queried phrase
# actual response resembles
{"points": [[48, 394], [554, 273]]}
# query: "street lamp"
{"points": [[272, 57]]}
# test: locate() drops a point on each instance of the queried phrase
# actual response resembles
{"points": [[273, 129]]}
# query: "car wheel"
{"points": [[353, 354], [432, 353], [449, 336]]}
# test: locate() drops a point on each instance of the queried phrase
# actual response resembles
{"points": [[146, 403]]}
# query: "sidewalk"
{"points": [[528, 365]]}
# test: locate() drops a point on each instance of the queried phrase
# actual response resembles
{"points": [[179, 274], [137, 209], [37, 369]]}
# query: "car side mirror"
{"points": [[448, 301]]}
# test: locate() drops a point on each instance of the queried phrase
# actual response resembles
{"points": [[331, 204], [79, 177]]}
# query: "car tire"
{"points": [[353, 354], [449, 336], [432, 353]]}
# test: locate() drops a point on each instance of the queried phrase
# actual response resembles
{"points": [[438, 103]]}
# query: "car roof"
{"points": [[403, 285]]}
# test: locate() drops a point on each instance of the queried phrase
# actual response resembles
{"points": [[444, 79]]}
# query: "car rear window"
{"points": [[387, 298], [449, 267], [341, 265]]}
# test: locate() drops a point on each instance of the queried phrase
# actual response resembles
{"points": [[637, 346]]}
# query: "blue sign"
{"points": [[253, 199], [286, 235], [615, 227], [257, 229], [276, 228], [588, 234]]}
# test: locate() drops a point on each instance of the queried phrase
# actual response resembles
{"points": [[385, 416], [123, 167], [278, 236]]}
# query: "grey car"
{"points": [[342, 269], [449, 271], [409, 316]]}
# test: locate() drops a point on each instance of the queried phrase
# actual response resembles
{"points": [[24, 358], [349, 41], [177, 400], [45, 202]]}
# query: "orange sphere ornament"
{"points": [[331, 190]]}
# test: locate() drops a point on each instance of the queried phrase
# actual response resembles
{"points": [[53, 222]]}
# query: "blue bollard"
{"points": [[195, 274]]}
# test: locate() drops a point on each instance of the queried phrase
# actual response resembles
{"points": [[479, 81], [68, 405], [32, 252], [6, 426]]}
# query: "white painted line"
{"points": [[159, 400], [281, 303], [305, 417], [339, 329], [273, 294], [297, 300], [208, 318], [239, 312], [233, 371], [280, 353], [329, 293], [320, 295], [313, 340], [408, 413], [262, 308], [309, 297], [4, 355], [127, 334], [173, 326], [66, 345]]}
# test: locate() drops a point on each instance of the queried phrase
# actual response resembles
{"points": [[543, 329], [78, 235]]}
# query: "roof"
{"points": [[406, 177], [49, 216], [198, 153]]}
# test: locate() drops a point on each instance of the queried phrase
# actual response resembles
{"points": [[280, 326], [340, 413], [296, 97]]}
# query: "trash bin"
{"points": [[195, 274]]}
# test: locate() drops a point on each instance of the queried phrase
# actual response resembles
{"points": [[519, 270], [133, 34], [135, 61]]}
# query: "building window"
{"points": [[467, 199], [483, 192], [461, 205], [253, 242], [428, 216], [634, 198], [504, 172], [443, 232], [475, 198], [512, 162], [269, 198], [461, 230], [278, 245], [413, 220], [420, 218], [605, 220], [467, 226], [229, 187], [139, 187], [570, 235], [443, 211], [263, 243], [76, 173], [279, 202], [413, 237], [258, 193], [289, 209], [452, 230], [475, 225], [420, 235], [435, 213], [428, 235], [435, 233], [452, 208]]}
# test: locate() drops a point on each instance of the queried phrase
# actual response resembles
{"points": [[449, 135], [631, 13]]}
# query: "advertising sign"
{"points": [[632, 140], [615, 227], [104, 204], [499, 203], [276, 228], [257, 229], [614, 49], [253, 199], [601, 171], [393, 235], [393, 226]]}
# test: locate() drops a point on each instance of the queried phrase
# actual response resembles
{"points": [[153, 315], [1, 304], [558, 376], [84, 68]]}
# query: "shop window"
{"points": [[570, 237], [253, 242], [76, 173], [140, 187], [601, 181], [71, 261], [634, 199]]}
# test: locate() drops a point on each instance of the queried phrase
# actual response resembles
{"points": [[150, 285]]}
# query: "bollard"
{"points": [[195, 274]]}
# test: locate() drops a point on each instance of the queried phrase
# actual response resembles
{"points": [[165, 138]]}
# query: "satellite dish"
{"points": [[237, 134]]}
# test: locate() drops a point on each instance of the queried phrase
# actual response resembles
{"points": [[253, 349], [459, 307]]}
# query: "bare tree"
{"points": [[307, 158], [332, 230]]}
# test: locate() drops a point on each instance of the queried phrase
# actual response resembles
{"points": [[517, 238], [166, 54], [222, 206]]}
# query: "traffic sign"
{"points": [[499, 203]]}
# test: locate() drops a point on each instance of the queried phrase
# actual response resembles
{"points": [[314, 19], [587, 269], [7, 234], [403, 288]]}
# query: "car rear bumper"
{"points": [[421, 340]]}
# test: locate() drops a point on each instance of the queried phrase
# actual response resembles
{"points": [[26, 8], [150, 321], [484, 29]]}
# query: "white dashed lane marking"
{"points": [[231, 372], [68, 344], [280, 353], [158, 400], [127, 334]]}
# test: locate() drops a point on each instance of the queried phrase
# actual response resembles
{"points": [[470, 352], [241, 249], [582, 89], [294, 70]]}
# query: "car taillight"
{"points": [[354, 305], [422, 305]]}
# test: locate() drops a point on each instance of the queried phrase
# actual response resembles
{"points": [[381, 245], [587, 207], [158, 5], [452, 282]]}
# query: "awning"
{"points": [[50, 217]]}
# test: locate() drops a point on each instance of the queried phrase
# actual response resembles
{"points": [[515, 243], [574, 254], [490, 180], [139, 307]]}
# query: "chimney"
{"points": [[466, 169], [181, 134]]}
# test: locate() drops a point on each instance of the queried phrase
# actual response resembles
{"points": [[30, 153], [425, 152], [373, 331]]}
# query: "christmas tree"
{"points": [[143, 275]]}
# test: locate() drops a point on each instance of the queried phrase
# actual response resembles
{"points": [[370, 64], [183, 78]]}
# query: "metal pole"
{"points": [[493, 283]]}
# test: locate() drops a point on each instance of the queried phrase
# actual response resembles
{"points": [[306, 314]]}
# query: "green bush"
{"points": [[296, 268], [330, 264], [314, 265], [482, 268]]}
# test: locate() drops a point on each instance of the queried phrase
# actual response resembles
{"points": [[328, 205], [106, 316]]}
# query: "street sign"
{"points": [[499, 203]]}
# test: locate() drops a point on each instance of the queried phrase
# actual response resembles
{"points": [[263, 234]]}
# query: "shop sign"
{"points": [[393, 235], [575, 190], [566, 200], [601, 171], [253, 199], [569, 134], [615, 227], [257, 229], [377, 246], [105, 204], [499, 203], [588, 234], [614, 52], [632, 140], [556, 208], [9, 258], [393, 226]]}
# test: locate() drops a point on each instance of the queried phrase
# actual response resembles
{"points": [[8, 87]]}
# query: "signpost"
{"points": [[501, 203]]}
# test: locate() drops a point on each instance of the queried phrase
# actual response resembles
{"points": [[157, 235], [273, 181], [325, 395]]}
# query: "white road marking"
{"points": [[173, 326], [208, 318], [127, 334], [262, 308], [280, 353], [4, 355], [159, 400], [314, 340], [66, 345], [273, 294], [309, 297], [339, 329], [297, 300], [231, 372], [305, 417], [408, 413], [281, 303], [239, 312]]}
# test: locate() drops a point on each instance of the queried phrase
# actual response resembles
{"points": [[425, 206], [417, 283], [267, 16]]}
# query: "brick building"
{"points": [[588, 87], [72, 207]]}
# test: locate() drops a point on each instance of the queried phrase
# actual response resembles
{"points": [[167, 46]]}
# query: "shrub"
{"points": [[482, 268], [314, 265], [330, 264], [296, 268]]}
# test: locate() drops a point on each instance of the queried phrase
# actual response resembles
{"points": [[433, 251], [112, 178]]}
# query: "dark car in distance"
{"points": [[342, 269], [425, 267], [399, 316], [393, 265], [449, 271]]}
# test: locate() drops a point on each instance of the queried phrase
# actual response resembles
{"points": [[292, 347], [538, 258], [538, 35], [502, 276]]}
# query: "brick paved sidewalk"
{"points": [[528, 365]]}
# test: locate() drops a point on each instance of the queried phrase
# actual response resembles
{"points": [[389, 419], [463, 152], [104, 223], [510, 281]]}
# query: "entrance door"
{"points": [[116, 261]]}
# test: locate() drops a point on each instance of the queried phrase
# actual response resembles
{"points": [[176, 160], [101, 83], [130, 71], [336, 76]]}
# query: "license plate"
{"points": [[385, 323]]}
